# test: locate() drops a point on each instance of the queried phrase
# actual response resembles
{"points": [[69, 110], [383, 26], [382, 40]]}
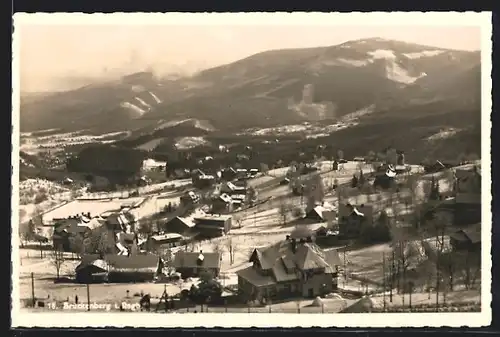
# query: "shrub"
{"points": [[298, 212], [41, 197]]}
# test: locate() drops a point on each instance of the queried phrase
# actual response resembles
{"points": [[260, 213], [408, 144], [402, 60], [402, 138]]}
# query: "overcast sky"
{"points": [[52, 52]]}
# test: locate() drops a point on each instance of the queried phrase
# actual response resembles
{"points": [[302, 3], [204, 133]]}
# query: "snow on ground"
{"points": [[157, 100], [146, 105], [420, 298], [443, 134], [190, 142], [94, 207], [164, 199], [150, 164], [425, 53], [356, 63], [141, 190], [204, 125], [31, 144], [133, 107], [31, 189], [150, 145], [393, 70]]}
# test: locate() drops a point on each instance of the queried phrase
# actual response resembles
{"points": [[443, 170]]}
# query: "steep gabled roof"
{"points": [[285, 264]]}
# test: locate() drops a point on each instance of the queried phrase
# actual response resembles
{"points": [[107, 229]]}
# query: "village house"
{"points": [[192, 264], [163, 241], [352, 219], [222, 204], [229, 174], [118, 220], [285, 181], [467, 191], [202, 180], [213, 224], [118, 268], [231, 188], [79, 225], [321, 213], [253, 172], [179, 225], [190, 198], [126, 242], [468, 239], [289, 268]]}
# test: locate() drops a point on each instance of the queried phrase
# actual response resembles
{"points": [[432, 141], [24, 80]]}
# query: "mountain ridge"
{"points": [[272, 88]]}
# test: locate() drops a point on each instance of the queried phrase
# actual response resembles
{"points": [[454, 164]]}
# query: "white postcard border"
{"points": [[62, 319]]}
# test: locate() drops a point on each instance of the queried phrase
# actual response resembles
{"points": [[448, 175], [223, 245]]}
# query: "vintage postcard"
{"points": [[251, 170]]}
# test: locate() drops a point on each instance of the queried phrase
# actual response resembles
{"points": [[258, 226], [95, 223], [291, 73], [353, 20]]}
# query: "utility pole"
{"points": [[88, 297], [392, 277], [345, 267], [383, 278], [33, 289]]}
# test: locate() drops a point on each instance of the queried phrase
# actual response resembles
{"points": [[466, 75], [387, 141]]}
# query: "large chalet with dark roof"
{"points": [[293, 267]]}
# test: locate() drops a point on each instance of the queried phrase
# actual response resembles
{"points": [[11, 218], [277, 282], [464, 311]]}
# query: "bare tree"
{"points": [[57, 259], [76, 244], [340, 154], [371, 157], [264, 168], [238, 220], [315, 190], [232, 248], [471, 268], [437, 228], [392, 156], [99, 242], [284, 209], [168, 260]]}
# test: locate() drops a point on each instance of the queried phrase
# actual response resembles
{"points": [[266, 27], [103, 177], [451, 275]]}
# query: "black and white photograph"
{"points": [[251, 169]]}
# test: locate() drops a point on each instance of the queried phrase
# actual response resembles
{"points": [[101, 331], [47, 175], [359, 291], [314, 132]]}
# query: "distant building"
{"points": [[468, 239], [213, 224], [222, 204], [192, 264], [385, 177], [229, 174], [289, 268], [202, 180], [79, 226], [190, 198], [467, 191], [179, 225], [232, 188], [285, 181], [126, 243], [321, 213], [352, 219], [118, 268], [164, 241]]}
